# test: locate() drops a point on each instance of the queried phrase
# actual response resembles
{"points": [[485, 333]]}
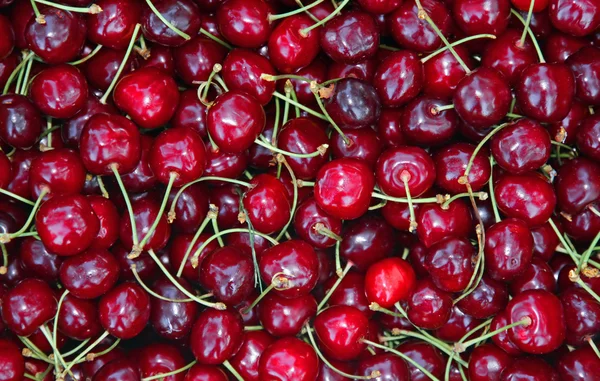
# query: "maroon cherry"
{"points": [[91, 274], [224, 164], [545, 241], [20, 121], [158, 358], [529, 368], [101, 69], [145, 212], [577, 19], [58, 172], [195, 60], [227, 199], [583, 226], [415, 33], [304, 136], [78, 318], [108, 216], [161, 57], [310, 222], [587, 137], [379, 6], [71, 128], [247, 358], [364, 70], [426, 355], [585, 68], [67, 225], [316, 71], [274, 361], [286, 317], [435, 223], [428, 306], [349, 292], [27, 306], [366, 241], [422, 124], [216, 336], [561, 46], [389, 129], [7, 66], [482, 98], [290, 48], [267, 204], [39, 261], [442, 73], [579, 364], [191, 207], [582, 315], [113, 27], [59, 39], [502, 339], [398, 168], [229, 274], [190, 113], [183, 14], [201, 372], [124, 310], [487, 362], [357, 46], [508, 249], [245, 23], [389, 281], [450, 263], [577, 185], [391, 367], [399, 78], [451, 163], [366, 145], [538, 275], [119, 369], [13, 363], [242, 71], [354, 104], [59, 91], [340, 330], [476, 17], [8, 43], [457, 326], [172, 320], [508, 55]]}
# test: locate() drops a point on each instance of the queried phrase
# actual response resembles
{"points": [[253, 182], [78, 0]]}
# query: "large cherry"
{"points": [[442, 73], [242, 71], [487, 362], [450, 263], [71, 128], [216, 336], [583, 226], [58, 171], [113, 27], [13, 363], [389, 281], [580, 364], [585, 68], [27, 306], [428, 306], [425, 355], [508, 249], [560, 46], [101, 69], [275, 362], [366, 145], [398, 168], [366, 241], [120, 369], [91, 274], [415, 33], [307, 218], [582, 315], [353, 104], [267, 204], [350, 38], [422, 124], [399, 78], [340, 330], [286, 317], [245, 23], [507, 55], [476, 17], [349, 292], [183, 14], [229, 274], [577, 185], [391, 367], [529, 368], [576, 18], [190, 113], [78, 318], [304, 136], [172, 320], [451, 162], [435, 223], [20, 121], [195, 60], [538, 275], [59, 91], [38, 260], [290, 49], [125, 310]]}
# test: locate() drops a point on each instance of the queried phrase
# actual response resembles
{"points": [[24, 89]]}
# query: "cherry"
{"points": [[242, 71], [587, 134], [161, 58], [180, 245], [291, 47], [365, 146], [145, 212], [364, 70], [423, 125], [286, 317], [148, 95], [415, 33], [359, 34], [544, 329], [508, 249], [442, 73], [487, 362], [482, 98], [101, 69], [38, 260], [227, 199], [27, 306], [582, 315], [428, 306], [545, 241], [158, 358], [201, 372], [435, 223], [424, 354], [59, 91], [577, 19], [71, 128], [113, 27], [91, 274], [389, 129], [450, 263], [379, 6], [391, 367], [144, 264], [195, 60], [577, 185], [304, 136], [349, 292], [190, 113], [583, 226], [267, 204], [172, 319], [316, 71], [58, 172], [182, 14], [537, 276], [15, 272], [67, 225], [528, 197], [405, 167], [561, 46], [578, 364], [457, 326], [366, 241], [216, 336], [328, 374], [508, 55], [389, 281], [20, 121], [8, 43], [399, 78], [119, 369], [229, 274], [7, 66], [586, 70], [124, 310], [353, 104], [307, 218], [451, 162], [13, 363], [294, 260], [529, 368], [234, 121], [476, 17], [245, 23], [78, 318], [19, 17], [177, 152], [340, 330], [274, 361], [59, 39]]}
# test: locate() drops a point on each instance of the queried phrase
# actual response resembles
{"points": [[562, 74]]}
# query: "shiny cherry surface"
{"points": [[124, 310], [91, 274], [27, 306], [216, 336]]}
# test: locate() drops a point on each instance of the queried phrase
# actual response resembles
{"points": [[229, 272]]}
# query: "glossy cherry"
{"points": [[124, 310], [476, 17], [216, 336], [538, 275], [27, 306], [38, 260], [59, 172], [435, 223], [183, 14], [78, 318], [389, 281], [358, 45], [158, 358], [13, 363], [242, 70], [399, 78], [245, 23], [487, 362], [410, 165], [428, 306], [306, 220], [274, 363], [286, 317], [582, 315], [585, 68], [353, 104], [340, 330], [101, 69], [179, 246], [414, 33], [583, 226], [349, 292], [90, 274], [458, 325], [451, 162], [529, 368], [119, 369], [195, 60], [508, 249], [507, 55], [20, 121], [59, 91], [577, 19], [587, 140], [205, 372], [425, 355], [366, 241], [267, 204], [71, 128], [577, 185], [366, 145], [391, 367], [172, 320], [304, 136], [190, 113], [450, 263], [423, 125], [289, 48], [229, 274], [113, 27], [578, 365], [145, 211]]}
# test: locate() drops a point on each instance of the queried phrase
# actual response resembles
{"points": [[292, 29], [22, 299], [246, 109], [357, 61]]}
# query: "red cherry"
{"points": [[90, 275], [229, 274], [101, 69], [412, 32], [457, 326], [529, 368], [307, 218], [291, 50], [13, 363], [442, 73], [425, 355], [410, 165], [487, 362], [158, 358], [78, 318], [435, 223], [273, 363], [58, 171], [267, 204], [59, 91], [582, 315], [245, 23], [216, 336], [201, 372], [36, 259], [428, 306], [379, 6], [389, 281], [20, 121], [561, 46], [286, 317], [354, 104], [349, 292], [190, 113], [399, 78], [71, 128], [423, 125], [450, 263], [353, 47], [124, 310], [508, 55], [577, 185], [476, 17], [578, 19], [391, 367], [316, 71], [113, 27], [172, 320], [451, 162], [8, 43], [145, 212], [524, 5], [119, 369], [27, 306], [366, 241], [587, 140], [340, 330], [184, 14], [508, 249], [578, 364], [242, 71], [195, 60], [366, 145]]}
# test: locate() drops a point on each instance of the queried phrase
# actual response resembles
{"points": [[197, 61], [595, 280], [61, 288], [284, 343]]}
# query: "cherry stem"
{"points": [[295, 99], [435, 110], [275, 123], [34, 351], [281, 159], [586, 255], [311, 338], [463, 346], [481, 195], [456, 43], [535, 43], [4, 267], [474, 330], [122, 65], [491, 191], [55, 327], [294, 12], [439, 199], [18, 70], [25, 84], [232, 370], [76, 349], [215, 226], [216, 68], [390, 48], [577, 279], [465, 178], [321, 229], [114, 168], [93, 355], [273, 78], [5, 238], [334, 287], [162, 376], [593, 345], [167, 22], [566, 246], [300, 106], [478, 272], [315, 90], [594, 210], [133, 268], [527, 23], [213, 211], [338, 262], [56, 354], [400, 333], [321, 150], [39, 18], [279, 282], [85, 352], [403, 356], [405, 177], [304, 32], [378, 206], [307, 11], [92, 9], [559, 144], [287, 90], [215, 38], [102, 187]]}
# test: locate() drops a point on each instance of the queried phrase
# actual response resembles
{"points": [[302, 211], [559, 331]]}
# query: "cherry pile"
{"points": [[212, 190]]}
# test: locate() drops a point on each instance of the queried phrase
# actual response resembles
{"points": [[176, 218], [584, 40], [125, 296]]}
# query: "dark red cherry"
{"points": [[39, 261], [7, 66], [366, 241], [227, 199], [507, 55], [13, 363], [362, 43], [20, 121], [457, 326], [229, 274], [423, 125], [364, 70], [159, 358], [582, 315], [502, 339], [194, 61], [67, 225], [435, 223], [266, 204], [316, 71], [303, 136], [273, 363], [27, 306], [577, 185], [161, 57], [124, 310], [580, 364], [201, 372], [349, 292], [216, 336], [482, 98], [90, 368], [190, 113], [545, 241], [340, 330], [235, 120], [101, 69], [108, 140], [113, 27], [582, 226], [290, 49], [71, 128], [426, 355], [561, 46], [451, 163], [412, 165], [391, 368], [183, 14], [242, 71], [389, 281], [428, 306], [389, 129], [537, 276], [353, 104], [119, 369], [8, 42], [529, 368], [145, 212], [245, 23], [78, 318], [191, 207], [585, 68], [366, 145], [476, 17], [179, 246], [59, 39], [545, 92], [379, 6], [294, 260], [399, 78], [306, 220], [442, 73], [587, 137], [91, 274], [412, 32], [450, 263], [142, 179], [286, 317], [172, 320], [578, 19], [58, 171], [148, 96], [508, 249], [528, 197], [487, 362], [546, 328], [59, 91]]}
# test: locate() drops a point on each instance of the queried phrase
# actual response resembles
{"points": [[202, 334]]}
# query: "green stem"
{"points": [[479, 147], [17, 197], [562, 241], [535, 43], [304, 32], [301, 106], [381, 196], [30, 218], [18, 70], [403, 356], [85, 352], [215, 38], [466, 344], [137, 277], [281, 159], [481, 195], [232, 370], [127, 203], [276, 123], [162, 376], [123, 63], [92, 9], [527, 22], [491, 191], [333, 288], [593, 345], [76, 349], [319, 152], [25, 83], [212, 211], [294, 12], [347, 141]]}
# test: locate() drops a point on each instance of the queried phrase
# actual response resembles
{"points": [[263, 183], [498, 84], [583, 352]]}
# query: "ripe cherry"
{"points": [[451, 162], [529, 368], [113, 27], [290, 48], [267, 204], [577, 185], [124, 310], [158, 358], [538, 275], [366, 145], [38, 260], [272, 363], [216, 336], [27, 306], [450, 263], [582, 315], [190, 113], [145, 212], [428, 306], [195, 60], [13, 363], [229, 274], [415, 33], [349, 292], [585, 68], [426, 355], [78, 318], [58, 172], [476, 17], [183, 14], [508, 55], [59, 91], [340, 330], [366, 241], [487, 362], [245, 23], [353, 104], [560, 46], [587, 140], [390, 367], [121, 369], [71, 128], [457, 326], [577, 19], [91, 274], [20, 121], [435, 223], [402, 167], [286, 317], [399, 78], [508, 249], [389, 281], [242, 71], [201, 372], [172, 320], [304, 136], [353, 47], [307, 218]]}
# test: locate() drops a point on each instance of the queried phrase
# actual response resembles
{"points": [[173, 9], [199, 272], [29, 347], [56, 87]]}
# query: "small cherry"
{"points": [[364, 70], [428, 306], [184, 15], [38, 260], [424, 125], [366, 145], [451, 162], [113, 27], [78, 318], [245, 23], [266, 204], [227, 199], [583, 226], [353, 104], [545, 241], [577, 19], [91, 274], [173, 316], [229, 274], [161, 57], [405, 171], [315, 226], [508, 249], [389, 281], [124, 310], [216, 336], [27, 306], [357, 46], [286, 317]]}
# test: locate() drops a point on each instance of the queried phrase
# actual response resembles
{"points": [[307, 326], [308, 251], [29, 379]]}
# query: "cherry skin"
{"points": [[508, 249], [451, 163], [428, 306], [399, 78], [7, 66], [357, 46], [487, 362], [425, 355], [124, 310], [482, 98], [145, 211], [113, 27], [583, 226], [59, 171], [457, 326], [216, 336], [27, 306], [227, 199], [364, 70], [229, 274], [582, 315], [585, 68], [340, 330], [142, 178], [389, 128], [306, 218], [266, 204], [183, 14], [191, 208], [390, 367], [476, 17], [316, 71], [286, 317], [78, 318], [161, 58], [8, 43], [442, 73], [328, 374], [379, 6], [354, 104], [507, 55], [119, 369], [59, 39], [545, 92], [190, 113], [89, 275], [538, 275], [450, 263], [158, 358], [366, 145], [578, 365], [194, 61], [577, 19], [349, 292], [577, 185], [172, 320], [435, 223], [242, 71], [39, 261], [71, 128], [366, 241], [389, 281], [274, 363], [410, 164], [234, 121], [13, 363], [587, 134], [545, 241], [529, 368], [205, 372], [560, 46], [289, 49], [59, 91], [528, 197], [423, 125], [20, 121], [523, 5], [148, 95], [101, 69], [67, 225], [245, 23], [296, 261]]}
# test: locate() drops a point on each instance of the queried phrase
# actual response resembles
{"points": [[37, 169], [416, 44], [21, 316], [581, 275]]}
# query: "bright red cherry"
{"points": [[245, 23], [113, 27], [476, 17], [582, 315], [27, 306], [91, 274], [451, 162], [424, 126], [229, 274], [183, 14], [508, 249], [340, 330], [428, 306], [59, 91], [366, 145], [435, 223], [289, 48], [425, 355], [124, 310], [274, 361], [587, 137], [389, 281], [246, 361], [201, 372], [242, 71], [58, 171], [412, 32], [307, 218], [216, 336], [576, 18], [267, 204], [353, 47], [507, 55], [71, 128], [399, 78]]}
